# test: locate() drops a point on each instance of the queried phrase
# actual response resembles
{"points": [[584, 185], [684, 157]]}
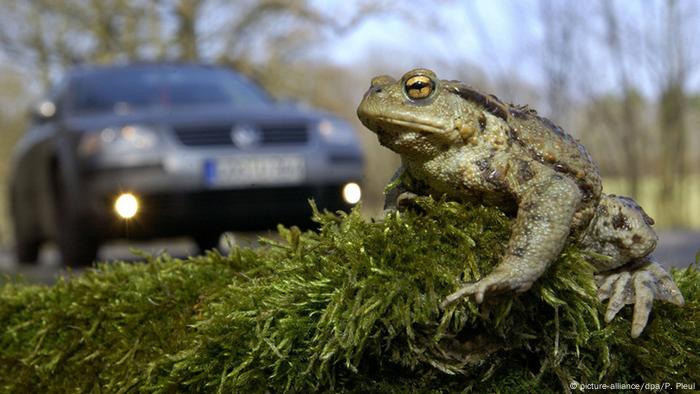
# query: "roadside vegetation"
{"points": [[350, 308], [648, 190]]}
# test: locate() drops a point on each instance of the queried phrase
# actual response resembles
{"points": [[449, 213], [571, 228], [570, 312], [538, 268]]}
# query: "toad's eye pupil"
{"points": [[419, 87]]}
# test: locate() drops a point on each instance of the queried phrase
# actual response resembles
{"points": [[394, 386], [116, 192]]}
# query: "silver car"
{"points": [[158, 150]]}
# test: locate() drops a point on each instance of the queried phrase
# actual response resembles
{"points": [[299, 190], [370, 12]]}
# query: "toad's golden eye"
{"points": [[419, 87]]}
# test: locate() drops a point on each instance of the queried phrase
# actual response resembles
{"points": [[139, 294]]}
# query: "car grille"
{"points": [[221, 135], [237, 206], [218, 200]]}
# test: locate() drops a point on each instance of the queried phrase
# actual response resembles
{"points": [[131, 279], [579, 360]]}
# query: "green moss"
{"points": [[352, 307]]}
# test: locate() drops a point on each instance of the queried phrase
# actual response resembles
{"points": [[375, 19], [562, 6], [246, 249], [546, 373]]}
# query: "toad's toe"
{"points": [[494, 282], [621, 295], [605, 285], [666, 289], [643, 301]]}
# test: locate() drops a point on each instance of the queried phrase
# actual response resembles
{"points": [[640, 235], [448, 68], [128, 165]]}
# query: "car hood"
{"points": [[174, 117]]}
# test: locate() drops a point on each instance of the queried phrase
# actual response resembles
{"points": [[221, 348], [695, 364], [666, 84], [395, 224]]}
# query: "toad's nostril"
{"points": [[377, 89]]}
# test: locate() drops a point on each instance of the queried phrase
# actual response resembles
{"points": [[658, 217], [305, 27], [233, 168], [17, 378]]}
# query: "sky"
{"points": [[445, 31], [502, 37]]}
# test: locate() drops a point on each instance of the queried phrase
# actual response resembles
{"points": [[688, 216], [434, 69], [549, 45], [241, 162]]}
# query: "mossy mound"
{"points": [[353, 307]]}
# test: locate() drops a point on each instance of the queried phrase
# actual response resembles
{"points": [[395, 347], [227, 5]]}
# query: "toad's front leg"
{"points": [[545, 212]]}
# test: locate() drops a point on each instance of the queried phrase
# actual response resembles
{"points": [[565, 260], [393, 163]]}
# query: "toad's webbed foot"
{"points": [[495, 282], [406, 200], [639, 285]]}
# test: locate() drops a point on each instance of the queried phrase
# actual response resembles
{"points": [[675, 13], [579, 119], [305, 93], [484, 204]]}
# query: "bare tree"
{"points": [[48, 36], [626, 122], [187, 13], [558, 57], [671, 42], [281, 30]]}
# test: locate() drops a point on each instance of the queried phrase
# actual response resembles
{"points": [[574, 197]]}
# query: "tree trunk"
{"points": [[630, 135], [673, 142], [186, 12]]}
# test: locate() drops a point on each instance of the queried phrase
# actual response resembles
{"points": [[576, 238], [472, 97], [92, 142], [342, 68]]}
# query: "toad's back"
{"points": [[549, 144]]}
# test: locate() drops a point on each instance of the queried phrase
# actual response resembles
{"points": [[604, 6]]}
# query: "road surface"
{"points": [[675, 249], [49, 268]]}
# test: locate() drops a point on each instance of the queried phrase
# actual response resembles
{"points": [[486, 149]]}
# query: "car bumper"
{"points": [[176, 199]]}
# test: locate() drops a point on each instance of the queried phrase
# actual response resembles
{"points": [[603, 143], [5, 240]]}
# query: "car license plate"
{"points": [[253, 171]]}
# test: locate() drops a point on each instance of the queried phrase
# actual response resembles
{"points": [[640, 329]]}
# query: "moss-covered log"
{"points": [[352, 307]]}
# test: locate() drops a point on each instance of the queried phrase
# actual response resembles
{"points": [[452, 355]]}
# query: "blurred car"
{"points": [[159, 150]]}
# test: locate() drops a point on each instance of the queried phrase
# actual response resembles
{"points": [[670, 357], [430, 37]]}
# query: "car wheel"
{"points": [[26, 251], [75, 248], [26, 245], [207, 241], [76, 242]]}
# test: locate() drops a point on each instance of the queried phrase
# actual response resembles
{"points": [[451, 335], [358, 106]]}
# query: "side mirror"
{"points": [[287, 102], [43, 111], [292, 103]]}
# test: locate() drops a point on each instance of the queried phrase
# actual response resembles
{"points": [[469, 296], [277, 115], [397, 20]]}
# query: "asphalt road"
{"points": [[675, 249], [49, 268]]}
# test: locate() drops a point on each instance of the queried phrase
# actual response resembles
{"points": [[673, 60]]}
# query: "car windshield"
{"points": [[123, 90]]}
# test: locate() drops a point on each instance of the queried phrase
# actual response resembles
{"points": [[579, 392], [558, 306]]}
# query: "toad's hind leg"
{"points": [[619, 233], [638, 283], [620, 238]]}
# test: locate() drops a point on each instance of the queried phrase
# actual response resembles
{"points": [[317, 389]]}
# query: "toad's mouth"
{"points": [[412, 125]]}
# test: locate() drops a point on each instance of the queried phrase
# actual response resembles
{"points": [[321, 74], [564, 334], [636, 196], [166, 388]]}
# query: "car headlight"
{"points": [[126, 205], [352, 193], [118, 140], [336, 132]]}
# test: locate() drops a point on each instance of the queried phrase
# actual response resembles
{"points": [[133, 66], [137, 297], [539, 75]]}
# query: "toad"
{"points": [[465, 145]]}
